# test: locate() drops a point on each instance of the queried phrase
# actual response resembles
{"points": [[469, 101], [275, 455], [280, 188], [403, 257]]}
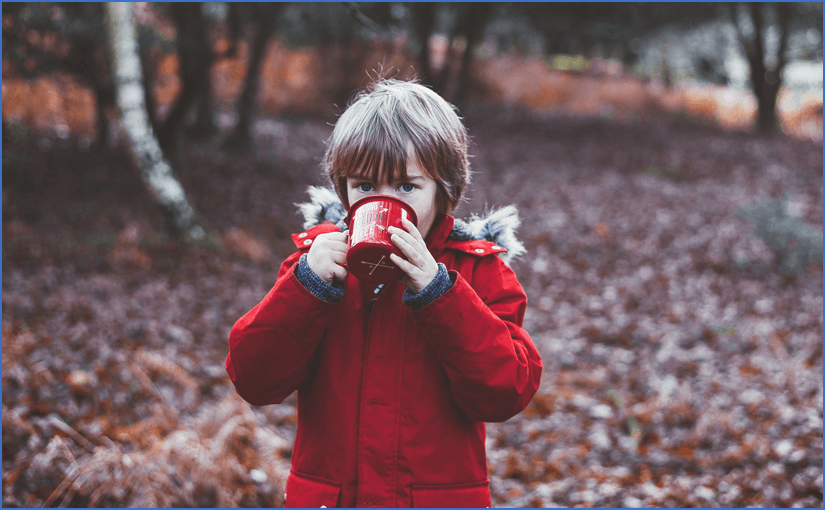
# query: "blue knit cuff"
{"points": [[440, 284], [313, 283]]}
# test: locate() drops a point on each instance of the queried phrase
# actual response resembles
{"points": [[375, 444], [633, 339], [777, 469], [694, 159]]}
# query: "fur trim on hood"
{"points": [[324, 206], [498, 226]]}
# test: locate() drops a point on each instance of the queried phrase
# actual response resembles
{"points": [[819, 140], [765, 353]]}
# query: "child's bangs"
{"points": [[378, 161]]}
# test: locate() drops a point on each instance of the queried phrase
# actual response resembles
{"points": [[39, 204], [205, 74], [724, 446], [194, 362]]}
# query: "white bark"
{"points": [[155, 170]]}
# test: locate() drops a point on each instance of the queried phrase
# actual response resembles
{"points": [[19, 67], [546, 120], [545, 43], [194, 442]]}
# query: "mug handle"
{"points": [[349, 245]]}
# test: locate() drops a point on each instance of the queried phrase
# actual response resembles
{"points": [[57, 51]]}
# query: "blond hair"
{"points": [[391, 122]]}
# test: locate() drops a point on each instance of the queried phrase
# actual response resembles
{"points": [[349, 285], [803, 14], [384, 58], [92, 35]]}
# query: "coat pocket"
{"points": [[305, 491], [468, 495]]}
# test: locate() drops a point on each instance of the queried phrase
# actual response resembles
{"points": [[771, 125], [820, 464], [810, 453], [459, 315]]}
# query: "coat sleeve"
{"points": [[272, 347], [492, 364]]}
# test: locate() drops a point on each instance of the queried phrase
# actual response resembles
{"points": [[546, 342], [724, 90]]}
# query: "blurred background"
{"points": [[666, 159], [306, 59]]}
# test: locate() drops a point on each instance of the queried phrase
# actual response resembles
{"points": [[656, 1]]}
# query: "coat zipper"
{"points": [[370, 306]]}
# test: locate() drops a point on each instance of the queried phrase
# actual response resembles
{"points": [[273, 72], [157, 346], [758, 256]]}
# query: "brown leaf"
{"points": [[245, 244], [602, 230], [125, 251]]}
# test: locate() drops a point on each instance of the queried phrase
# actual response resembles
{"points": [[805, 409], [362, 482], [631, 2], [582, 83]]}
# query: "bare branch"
{"points": [[365, 20], [55, 422], [734, 17], [784, 16], [758, 44]]}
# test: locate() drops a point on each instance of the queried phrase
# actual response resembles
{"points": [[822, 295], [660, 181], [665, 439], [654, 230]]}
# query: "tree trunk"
{"points": [[766, 104], [104, 91], [667, 78], [155, 171], [241, 137], [765, 81], [103, 98], [147, 63], [424, 13], [235, 29], [204, 126], [766, 97], [94, 71], [473, 29], [195, 56]]}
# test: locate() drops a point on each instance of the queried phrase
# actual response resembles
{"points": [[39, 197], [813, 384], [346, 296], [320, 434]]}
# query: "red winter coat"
{"points": [[392, 402]]}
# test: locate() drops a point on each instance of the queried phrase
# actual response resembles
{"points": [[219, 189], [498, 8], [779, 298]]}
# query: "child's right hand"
{"points": [[328, 255]]}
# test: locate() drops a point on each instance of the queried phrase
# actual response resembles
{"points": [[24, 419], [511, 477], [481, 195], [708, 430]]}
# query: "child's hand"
{"points": [[328, 255], [420, 265]]}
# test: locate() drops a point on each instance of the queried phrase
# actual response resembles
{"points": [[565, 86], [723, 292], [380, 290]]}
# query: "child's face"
{"points": [[418, 190]]}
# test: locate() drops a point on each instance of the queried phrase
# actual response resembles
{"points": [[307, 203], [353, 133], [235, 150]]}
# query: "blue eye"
{"points": [[365, 187], [406, 187]]}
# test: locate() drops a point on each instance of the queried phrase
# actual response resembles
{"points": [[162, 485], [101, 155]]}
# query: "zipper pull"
{"points": [[377, 291]]}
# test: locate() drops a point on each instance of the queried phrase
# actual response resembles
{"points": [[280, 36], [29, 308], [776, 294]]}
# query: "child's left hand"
{"points": [[420, 265]]}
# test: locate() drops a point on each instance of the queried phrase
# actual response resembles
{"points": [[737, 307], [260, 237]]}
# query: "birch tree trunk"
{"points": [[155, 170]]}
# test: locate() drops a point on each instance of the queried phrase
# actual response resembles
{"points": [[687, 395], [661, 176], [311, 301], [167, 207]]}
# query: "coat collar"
{"points": [[439, 233], [492, 233]]}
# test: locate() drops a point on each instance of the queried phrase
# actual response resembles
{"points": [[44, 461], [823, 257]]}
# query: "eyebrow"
{"points": [[367, 178]]}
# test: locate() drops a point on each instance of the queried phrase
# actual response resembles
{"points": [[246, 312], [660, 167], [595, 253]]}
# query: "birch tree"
{"points": [[155, 170]]}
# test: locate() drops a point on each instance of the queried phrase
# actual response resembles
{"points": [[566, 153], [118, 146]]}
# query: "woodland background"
{"points": [[674, 236]]}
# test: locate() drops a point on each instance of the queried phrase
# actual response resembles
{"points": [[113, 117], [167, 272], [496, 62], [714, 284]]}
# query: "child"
{"points": [[394, 381]]}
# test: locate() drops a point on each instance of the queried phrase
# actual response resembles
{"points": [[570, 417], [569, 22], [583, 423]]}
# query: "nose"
{"points": [[388, 189]]}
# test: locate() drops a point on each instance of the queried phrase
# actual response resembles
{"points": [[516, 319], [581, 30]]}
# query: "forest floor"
{"points": [[681, 367]]}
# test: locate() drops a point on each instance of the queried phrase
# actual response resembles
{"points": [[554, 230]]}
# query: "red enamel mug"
{"points": [[368, 254]]}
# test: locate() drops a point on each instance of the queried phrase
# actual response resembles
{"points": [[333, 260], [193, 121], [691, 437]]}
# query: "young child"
{"points": [[394, 382]]}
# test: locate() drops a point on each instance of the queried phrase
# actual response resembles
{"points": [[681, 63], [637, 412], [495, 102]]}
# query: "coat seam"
{"points": [[361, 403], [398, 416]]}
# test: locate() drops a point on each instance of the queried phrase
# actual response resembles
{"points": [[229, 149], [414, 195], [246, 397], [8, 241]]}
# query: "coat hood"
{"points": [[498, 226]]}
